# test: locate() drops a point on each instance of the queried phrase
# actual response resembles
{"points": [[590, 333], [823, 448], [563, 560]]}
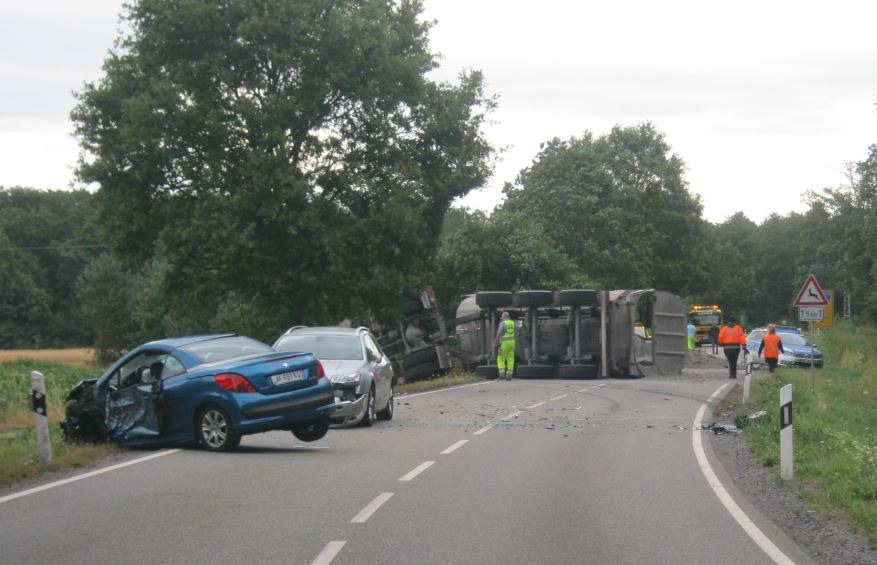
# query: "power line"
{"points": [[52, 247]]}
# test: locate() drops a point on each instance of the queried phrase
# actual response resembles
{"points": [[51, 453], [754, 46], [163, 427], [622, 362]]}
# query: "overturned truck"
{"points": [[575, 333]]}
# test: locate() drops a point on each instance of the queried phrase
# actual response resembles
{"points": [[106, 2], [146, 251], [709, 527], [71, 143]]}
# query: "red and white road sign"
{"points": [[811, 294]]}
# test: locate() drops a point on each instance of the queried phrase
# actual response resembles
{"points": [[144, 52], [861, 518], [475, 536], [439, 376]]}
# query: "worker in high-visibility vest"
{"points": [[732, 339], [505, 338], [772, 346]]}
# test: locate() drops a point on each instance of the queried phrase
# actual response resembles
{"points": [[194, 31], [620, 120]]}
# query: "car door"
{"points": [[382, 369], [133, 398]]}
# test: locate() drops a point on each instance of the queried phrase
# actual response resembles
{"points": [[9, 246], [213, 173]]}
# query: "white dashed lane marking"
{"points": [[416, 471], [329, 552], [482, 430], [454, 447], [559, 397], [371, 508], [512, 416], [537, 405]]}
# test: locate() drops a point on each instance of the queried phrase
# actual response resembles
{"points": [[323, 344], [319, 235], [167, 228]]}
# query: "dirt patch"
{"points": [[78, 357], [828, 541]]}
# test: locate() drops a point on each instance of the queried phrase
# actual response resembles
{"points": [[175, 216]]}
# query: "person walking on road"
{"points": [[505, 338], [714, 338], [772, 346], [731, 339], [692, 336]]}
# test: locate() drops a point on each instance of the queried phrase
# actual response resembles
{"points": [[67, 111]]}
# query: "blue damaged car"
{"points": [[206, 389]]}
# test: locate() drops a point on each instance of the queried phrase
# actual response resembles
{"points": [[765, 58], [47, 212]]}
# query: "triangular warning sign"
{"points": [[811, 294]]}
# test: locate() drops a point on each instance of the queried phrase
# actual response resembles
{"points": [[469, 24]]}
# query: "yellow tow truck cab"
{"points": [[703, 316]]}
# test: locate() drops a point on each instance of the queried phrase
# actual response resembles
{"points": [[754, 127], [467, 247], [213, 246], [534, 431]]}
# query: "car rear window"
{"points": [[223, 348], [325, 347]]}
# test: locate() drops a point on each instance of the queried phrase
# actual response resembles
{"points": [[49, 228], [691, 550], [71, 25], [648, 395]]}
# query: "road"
{"points": [[547, 471]]}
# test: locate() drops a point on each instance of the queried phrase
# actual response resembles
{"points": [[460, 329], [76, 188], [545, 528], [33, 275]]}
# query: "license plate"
{"points": [[289, 377]]}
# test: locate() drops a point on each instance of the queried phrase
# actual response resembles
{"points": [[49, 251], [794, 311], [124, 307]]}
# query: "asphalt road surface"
{"points": [[528, 471]]}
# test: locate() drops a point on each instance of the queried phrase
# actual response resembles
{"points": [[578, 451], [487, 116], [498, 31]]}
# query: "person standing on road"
{"points": [[731, 339], [505, 338], [692, 335], [772, 346], [714, 338]]}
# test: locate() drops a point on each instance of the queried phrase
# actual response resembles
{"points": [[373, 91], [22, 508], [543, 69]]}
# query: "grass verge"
{"points": [[18, 446], [455, 378], [835, 438]]}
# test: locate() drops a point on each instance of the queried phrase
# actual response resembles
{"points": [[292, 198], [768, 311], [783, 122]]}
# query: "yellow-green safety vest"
{"points": [[509, 330]]}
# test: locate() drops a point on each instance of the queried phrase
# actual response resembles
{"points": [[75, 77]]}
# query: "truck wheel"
{"points": [[576, 297], [412, 307], [534, 298], [487, 371], [419, 357], [577, 372], [534, 371], [493, 299], [424, 370]]}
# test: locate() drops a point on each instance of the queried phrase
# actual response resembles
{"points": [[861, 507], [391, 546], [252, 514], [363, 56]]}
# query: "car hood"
{"points": [[800, 349], [340, 367]]}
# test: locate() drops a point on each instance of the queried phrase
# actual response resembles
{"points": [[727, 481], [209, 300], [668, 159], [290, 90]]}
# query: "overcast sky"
{"points": [[762, 100]]}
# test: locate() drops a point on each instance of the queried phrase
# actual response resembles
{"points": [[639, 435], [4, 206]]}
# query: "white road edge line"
{"points": [[537, 405], [454, 447], [414, 472], [512, 415], [558, 397], [329, 552], [85, 476], [403, 396], [736, 512], [371, 508], [486, 428]]}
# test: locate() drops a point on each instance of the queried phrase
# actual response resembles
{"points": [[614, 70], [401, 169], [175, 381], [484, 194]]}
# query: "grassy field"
{"points": [[835, 429], [18, 451]]}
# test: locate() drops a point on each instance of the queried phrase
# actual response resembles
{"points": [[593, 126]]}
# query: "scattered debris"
{"points": [[718, 428], [755, 416]]}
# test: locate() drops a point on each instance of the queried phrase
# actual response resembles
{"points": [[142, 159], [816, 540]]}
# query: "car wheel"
{"points": [[369, 417], [311, 431], [215, 430], [387, 413]]}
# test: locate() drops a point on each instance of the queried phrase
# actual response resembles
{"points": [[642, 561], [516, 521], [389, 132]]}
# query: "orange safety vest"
{"points": [[771, 344], [732, 336]]}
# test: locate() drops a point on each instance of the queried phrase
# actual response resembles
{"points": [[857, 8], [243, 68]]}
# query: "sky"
{"points": [[762, 100]]}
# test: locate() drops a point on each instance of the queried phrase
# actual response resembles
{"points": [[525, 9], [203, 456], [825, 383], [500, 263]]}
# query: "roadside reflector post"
{"points": [[787, 459], [747, 381], [38, 401]]}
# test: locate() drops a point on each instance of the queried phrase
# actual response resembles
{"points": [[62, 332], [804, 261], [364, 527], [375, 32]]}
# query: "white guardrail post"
{"points": [[38, 401], [747, 382], [787, 454]]}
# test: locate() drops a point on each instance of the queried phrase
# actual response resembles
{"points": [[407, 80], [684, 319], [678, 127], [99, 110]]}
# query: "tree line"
{"points": [[285, 163]]}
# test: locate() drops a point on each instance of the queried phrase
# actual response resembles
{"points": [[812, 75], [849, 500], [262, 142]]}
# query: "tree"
{"points": [[52, 237], [24, 303], [618, 205], [290, 156], [106, 292], [506, 251]]}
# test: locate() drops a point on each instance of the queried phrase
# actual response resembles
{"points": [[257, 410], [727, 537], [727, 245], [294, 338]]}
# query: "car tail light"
{"points": [[233, 382], [320, 371]]}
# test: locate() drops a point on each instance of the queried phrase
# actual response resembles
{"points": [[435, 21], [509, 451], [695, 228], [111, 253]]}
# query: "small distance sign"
{"points": [[812, 314]]}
